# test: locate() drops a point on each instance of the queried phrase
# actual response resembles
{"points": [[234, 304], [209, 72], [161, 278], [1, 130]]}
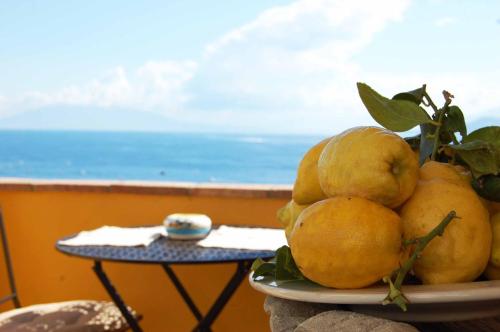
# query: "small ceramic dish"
{"points": [[187, 226]]}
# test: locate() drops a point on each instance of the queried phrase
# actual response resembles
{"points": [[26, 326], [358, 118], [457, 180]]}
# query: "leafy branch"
{"points": [[440, 114], [478, 151], [395, 294], [282, 267]]}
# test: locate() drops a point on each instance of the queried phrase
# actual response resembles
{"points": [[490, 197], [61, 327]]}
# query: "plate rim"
{"points": [[445, 293]]}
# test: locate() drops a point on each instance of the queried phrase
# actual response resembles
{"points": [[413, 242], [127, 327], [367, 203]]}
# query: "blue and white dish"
{"points": [[187, 226]]}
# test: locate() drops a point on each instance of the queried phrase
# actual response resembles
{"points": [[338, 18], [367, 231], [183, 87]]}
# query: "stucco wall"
{"points": [[37, 213]]}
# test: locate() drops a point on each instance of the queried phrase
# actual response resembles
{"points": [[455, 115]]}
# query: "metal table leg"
{"points": [[132, 322], [180, 288], [204, 323], [239, 275]]}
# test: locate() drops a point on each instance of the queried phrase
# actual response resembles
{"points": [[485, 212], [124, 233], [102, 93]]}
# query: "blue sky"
{"points": [[243, 66]]}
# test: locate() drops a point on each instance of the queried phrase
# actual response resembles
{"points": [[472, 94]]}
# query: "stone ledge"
{"points": [[149, 188]]}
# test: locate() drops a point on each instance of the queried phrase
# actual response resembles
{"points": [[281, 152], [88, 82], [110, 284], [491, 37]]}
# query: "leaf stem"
{"points": [[430, 102], [440, 115], [395, 294], [448, 98]]}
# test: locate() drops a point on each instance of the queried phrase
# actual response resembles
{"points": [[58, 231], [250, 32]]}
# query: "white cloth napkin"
{"points": [[117, 236], [244, 238]]}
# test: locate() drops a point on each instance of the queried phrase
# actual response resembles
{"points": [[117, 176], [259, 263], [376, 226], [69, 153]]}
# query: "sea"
{"points": [[183, 157]]}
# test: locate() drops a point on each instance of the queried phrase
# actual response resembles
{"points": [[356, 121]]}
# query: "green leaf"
{"points": [[415, 96], [488, 187], [472, 145], [265, 269], [479, 161], [454, 121], [482, 151], [426, 142], [480, 156], [489, 134], [286, 269], [395, 115], [256, 263], [282, 267]]}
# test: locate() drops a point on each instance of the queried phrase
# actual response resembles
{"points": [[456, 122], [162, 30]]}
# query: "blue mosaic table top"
{"points": [[164, 250]]}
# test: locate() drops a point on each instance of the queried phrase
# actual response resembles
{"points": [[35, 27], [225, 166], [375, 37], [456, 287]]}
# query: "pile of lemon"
{"points": [[360, 194]]}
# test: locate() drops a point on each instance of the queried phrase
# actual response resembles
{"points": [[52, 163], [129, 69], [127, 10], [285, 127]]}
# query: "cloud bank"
{"points": [[292, 69]]}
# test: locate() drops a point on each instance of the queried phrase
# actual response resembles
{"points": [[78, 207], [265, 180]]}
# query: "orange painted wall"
{"points": [[35, 220]]}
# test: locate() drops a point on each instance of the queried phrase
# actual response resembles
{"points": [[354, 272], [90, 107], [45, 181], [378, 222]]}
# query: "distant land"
{"points": [[95, 119], [113, 119]]}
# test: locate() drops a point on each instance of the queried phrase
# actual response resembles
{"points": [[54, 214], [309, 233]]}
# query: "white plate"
{"points": [[428, 303]]}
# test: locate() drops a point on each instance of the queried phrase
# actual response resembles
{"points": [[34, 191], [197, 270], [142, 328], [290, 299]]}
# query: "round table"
{"points": [[166, 252]]}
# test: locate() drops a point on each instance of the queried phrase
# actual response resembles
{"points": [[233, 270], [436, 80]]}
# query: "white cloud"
{"points": [[293, 68], [294, 57], [111, 89], [289, 57], [155, 86], [161, 83], [444, 21]]}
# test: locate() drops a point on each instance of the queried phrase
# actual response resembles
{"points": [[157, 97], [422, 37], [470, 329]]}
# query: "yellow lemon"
{"points": [[461, 254], [288, 214], [492, 272], [346, 242], [306, 189], [493, 207], [495, 246], [369, 162], [416, 151], [451, 173]]}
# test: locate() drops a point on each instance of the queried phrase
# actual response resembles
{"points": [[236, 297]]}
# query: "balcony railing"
{"points": [[38, 212]]}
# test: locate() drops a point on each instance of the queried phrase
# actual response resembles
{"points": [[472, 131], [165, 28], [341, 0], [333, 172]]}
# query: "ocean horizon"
{"points": [[152, 156]]}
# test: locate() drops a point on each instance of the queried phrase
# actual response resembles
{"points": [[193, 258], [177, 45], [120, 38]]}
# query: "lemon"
{"points": [[492, 272], [346, 242], [462, 252], [495, 247], [306, 189], [493, 207], [369, 162], [451, 173], [288, 214]]}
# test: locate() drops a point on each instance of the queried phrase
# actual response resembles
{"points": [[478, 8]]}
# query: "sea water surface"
{"points": [[224, 158]]}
